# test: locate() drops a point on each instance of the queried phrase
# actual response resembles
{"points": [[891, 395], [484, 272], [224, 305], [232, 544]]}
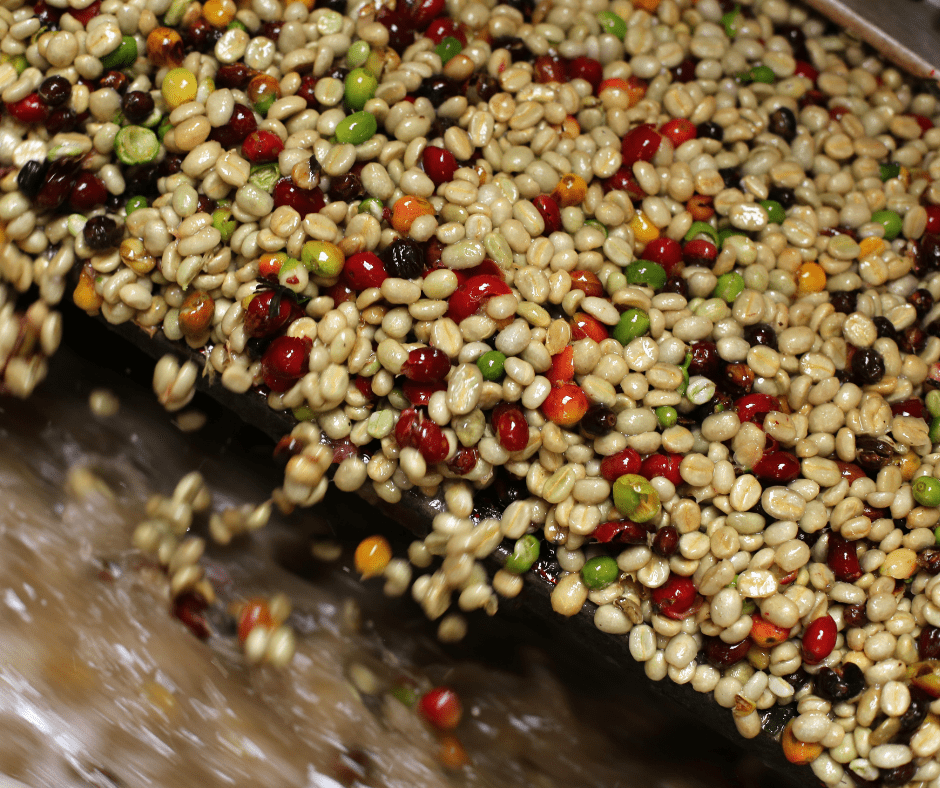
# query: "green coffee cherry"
{"points": [[926, 490], [933, 402], [264, 176], [889, 171], [223, 221], [599, 572], [667, 416], [612, 23], [933, 433], [322, 258], [729, 287], [409, 696], [448, 47], [890, 221], [702, 228], [731, 21], [492, 365], [372, 206], [764, 74], [123, 56], [725, 234], [357, 128], [135, 204], [360, 87], [644, 272], [633, 323], [635, 498], [357, 54], [775, 212], [524, 554]]}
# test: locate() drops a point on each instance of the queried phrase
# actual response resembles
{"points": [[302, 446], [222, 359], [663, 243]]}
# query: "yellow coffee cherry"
{"points": [[372, 556], [644, 230], [810, 278], [179, 86], [796, 751], [84, 296], [872, 245], [569, 191], [219, 13]]}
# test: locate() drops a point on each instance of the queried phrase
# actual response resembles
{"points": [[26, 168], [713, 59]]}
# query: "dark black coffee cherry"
{"points": [[928, 643], [598, 421], [852, 674], [678, 285], [31, 176], [839, 686], [404, 259], [761, 334], [917, 712], [705, 359], [885, 328], [338, 72], [922, 302], [710, 131], [731, 176], [55, 91], [798, 679], [868, 366], [116, 80], [685, 71], [440, 124], [855, 615], [782, 122], [486, 86], [437, 90], [844, 301], [796, 38], [516, 48], [912, 340], [57, 185], [928, 253], [102, 232], [785, 196], [346, 187], [900, 775], [137, 106], [61, 120]]}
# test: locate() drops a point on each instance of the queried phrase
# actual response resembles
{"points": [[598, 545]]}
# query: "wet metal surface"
{"points": [[907, 32]]}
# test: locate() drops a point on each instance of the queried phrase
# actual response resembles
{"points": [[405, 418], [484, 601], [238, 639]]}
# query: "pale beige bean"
{"points": [[569, 595]]}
